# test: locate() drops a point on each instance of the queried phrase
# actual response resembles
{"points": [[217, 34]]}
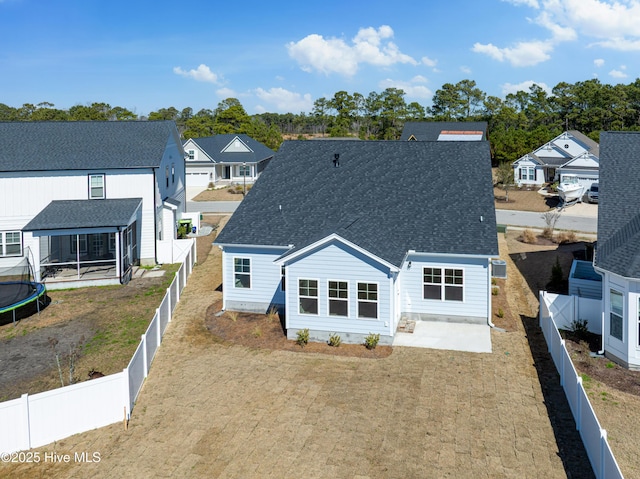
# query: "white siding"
{"points": [[475, 304], [337, 262], [265, 279]]}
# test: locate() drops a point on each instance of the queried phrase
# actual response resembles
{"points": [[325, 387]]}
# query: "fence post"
{"points": [[159, 325], [578, 416], [127, 392], [26, 421], [169, 303], [143, 340]]}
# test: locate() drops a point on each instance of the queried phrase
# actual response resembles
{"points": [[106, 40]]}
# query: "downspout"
{"points": [[489, 311], [155, 220]]}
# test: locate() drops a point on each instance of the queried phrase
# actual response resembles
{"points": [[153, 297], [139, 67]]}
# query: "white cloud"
{"points": [[429, 62], [619, 73], [598, 62], [465, 69], [413, 88], [203, 73], [523, 54], [226, 93], [285, 100], [334, 55], [523, 86]]}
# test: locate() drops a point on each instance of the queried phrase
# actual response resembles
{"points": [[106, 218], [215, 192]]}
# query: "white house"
{"points": [[348, 236], [224, 159], [617, 256], [85, 201], [544, 164]]}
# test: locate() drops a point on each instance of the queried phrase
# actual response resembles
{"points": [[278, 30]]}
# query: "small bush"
{"points": [[610, 365], [494, 281], [371, 341], [303, 337], [579, 328], [547, 233], [500, 313], [257, 332], [334, 340], [557, 275], [495, 290], [232, 315], [272, 314], [529, 237], [566, 237]]}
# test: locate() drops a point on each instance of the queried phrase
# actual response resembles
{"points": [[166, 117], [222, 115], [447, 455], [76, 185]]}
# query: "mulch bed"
{"points": [[261, 331]]}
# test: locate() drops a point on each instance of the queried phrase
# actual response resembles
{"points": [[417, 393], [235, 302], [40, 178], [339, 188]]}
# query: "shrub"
{"points": [[500, 313], [303, 337], [547, 233], [610, 365], [257, 332], [232, 315], [579, 328], [371, 341], [566, 237], [529, 237], [272, 314], [495, 290], [334, 340], [556, 275]]}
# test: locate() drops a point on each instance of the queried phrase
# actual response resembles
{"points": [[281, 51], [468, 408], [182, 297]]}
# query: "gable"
{"points": [[236, 146], [231, 148], [585, 160]]}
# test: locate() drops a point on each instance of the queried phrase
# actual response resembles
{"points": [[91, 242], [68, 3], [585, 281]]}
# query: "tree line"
{"points": [[519, 123]]}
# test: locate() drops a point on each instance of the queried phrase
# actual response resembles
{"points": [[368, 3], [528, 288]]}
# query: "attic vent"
{"points": [[336, 160]]}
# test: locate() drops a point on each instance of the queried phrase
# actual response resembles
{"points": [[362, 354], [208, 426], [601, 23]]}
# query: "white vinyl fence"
{"points": [[593, 436], [39, 419]]}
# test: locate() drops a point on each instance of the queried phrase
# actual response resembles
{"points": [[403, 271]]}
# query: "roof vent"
{"points": [[336, 160]]}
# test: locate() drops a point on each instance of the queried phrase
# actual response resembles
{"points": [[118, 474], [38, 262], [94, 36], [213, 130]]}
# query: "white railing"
{"points": [[39, 419], [593, 436]]}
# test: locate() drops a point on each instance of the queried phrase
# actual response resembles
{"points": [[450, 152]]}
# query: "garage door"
{"points": [[198, 179]]}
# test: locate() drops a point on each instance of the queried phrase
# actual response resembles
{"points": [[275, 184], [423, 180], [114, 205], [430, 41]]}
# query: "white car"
{"points": [[592, 194]]}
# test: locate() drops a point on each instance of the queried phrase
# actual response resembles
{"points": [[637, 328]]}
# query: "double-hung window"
{"points": [[242, 272], [616, 311], [308, 296], [338, 298], [447, 284], [191, 154], [96, 187], [244, 170], [10, 243], [368, 300]]}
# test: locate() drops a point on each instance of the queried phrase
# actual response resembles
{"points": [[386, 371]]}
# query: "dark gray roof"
{"points": [[75, 214], [81, 145], [387, 197], [589, 145], [430, 130], [618, 247], [213, 146]]}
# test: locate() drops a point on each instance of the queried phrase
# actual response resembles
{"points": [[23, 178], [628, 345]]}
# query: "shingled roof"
{"points": [[431, 130], [214, 147], [81, 145], [618, 249], [387, 197]]}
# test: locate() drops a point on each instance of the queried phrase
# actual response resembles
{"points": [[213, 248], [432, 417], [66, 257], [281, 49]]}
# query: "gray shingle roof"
{"points": [[387, 197], [430, 130], [79, 145], [74, 214], [213, 146], [618, 248]]}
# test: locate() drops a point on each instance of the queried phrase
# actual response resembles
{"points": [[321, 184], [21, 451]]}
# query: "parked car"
{"points": [[592, 194]]}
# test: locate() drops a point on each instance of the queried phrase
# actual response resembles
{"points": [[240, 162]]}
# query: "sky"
{"points": [[277, 56]]}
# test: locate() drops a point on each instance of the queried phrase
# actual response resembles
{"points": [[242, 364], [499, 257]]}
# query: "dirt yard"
{"points": [[222, 404]]}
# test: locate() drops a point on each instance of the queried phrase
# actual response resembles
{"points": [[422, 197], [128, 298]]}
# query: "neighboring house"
{"points": [[225, 159], [347, 237], [570, 152], [444, 131], [617, 256], [85, 201]]}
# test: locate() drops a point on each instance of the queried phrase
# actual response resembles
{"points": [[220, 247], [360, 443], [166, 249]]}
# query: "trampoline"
{"points": [[18, 291]]}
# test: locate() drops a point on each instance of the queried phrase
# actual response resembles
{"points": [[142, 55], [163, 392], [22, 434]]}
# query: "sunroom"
{"points": [[85, 242]]}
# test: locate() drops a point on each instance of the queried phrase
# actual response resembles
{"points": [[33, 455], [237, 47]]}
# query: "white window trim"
{"points": [[250, 274], [347, 300], [4, 243], [377, 301], [443, 284], [317, 297], [621, 293], [91, 187]]}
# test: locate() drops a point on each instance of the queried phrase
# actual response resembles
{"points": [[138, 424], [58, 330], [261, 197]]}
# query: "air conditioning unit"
{"points": [[498, 269]]}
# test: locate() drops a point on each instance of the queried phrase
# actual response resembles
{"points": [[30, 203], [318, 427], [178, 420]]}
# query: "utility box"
{"points": [[498, 269]]}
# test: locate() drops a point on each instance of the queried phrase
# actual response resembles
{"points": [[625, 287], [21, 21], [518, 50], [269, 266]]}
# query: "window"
{"points": [[191, 154], [338, 298], [74, 240], [166, 175], [96, 187], [244, 170], [242, 272], [527, 173], [368, 300], [451, 289], [112, 242], [532, 173], [173, 173], [10, 243], [283, 279], [432, 288], [308, 294], [616, 309]]}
